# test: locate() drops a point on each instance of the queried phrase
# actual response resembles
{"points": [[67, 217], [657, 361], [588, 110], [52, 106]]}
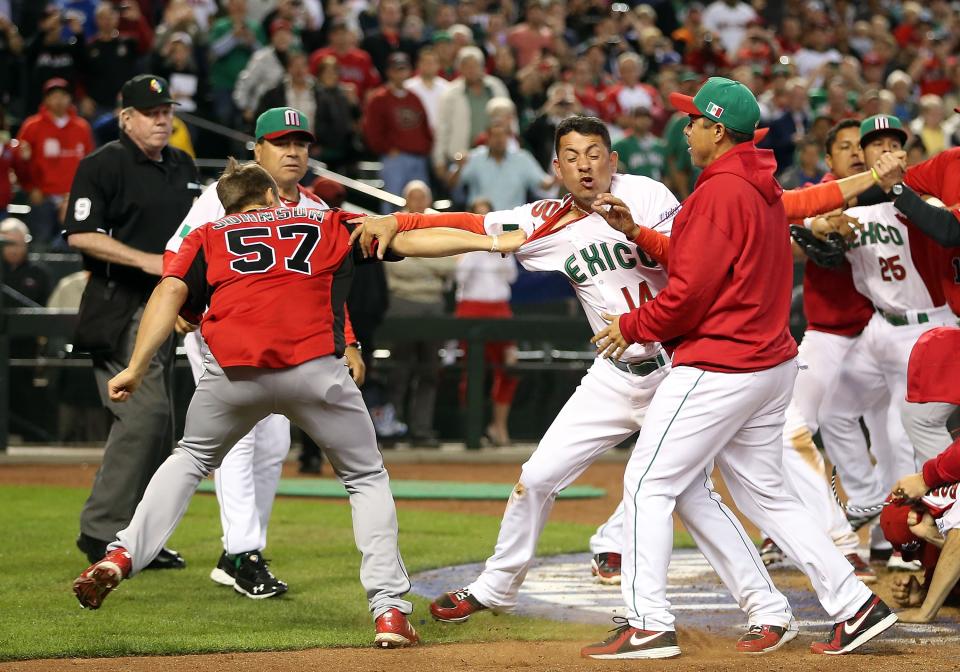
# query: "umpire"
{"points": [[125, 199]]}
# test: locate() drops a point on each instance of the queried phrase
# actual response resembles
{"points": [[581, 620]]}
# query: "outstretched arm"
{"points": [[442, 242], [157, 322]]}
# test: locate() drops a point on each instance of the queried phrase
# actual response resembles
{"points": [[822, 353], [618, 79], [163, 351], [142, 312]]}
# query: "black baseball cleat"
{"points": [[93, 548], [225, 573], [628, 642], [254, 579], [871, 619], [167, 558]]}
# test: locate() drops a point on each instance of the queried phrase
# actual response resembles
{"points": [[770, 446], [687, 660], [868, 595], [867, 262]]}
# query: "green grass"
{"points": [[182, 612]]}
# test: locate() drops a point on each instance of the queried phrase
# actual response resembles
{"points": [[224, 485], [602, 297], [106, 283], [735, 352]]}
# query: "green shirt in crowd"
{"points": [[228, 54], [642, 156], [677, 148]]}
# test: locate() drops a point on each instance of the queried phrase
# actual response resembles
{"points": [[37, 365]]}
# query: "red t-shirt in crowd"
{"points": [[396, 121], [276, 281], [726, 305]]}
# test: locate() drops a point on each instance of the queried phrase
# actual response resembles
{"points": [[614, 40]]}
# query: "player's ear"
{"points": [[556, 169], [614, 161], [270, 198]]}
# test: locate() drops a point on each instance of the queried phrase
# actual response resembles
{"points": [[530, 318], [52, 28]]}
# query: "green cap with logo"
{"points": [[722, 100], [280, 121], [873, 126]]}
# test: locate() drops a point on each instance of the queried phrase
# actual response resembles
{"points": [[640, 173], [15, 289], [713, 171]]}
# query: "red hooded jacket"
{"points": [[726, 305], [55, 152]]}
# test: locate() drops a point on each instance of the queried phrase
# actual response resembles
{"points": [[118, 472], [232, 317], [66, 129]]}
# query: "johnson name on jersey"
{"points": [[607, 271]]}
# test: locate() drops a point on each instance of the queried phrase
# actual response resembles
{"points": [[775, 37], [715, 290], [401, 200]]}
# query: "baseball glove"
{"points": [[827, 253]]}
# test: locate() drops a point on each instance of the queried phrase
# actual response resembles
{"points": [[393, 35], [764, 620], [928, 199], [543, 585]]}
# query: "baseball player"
{"points": [[733, 376], [898, 269], [247, 480], [609, 273], [275, 279]]}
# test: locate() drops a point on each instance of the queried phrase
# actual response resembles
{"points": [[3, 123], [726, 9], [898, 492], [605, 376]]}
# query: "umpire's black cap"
{"points": [[146, 91]]}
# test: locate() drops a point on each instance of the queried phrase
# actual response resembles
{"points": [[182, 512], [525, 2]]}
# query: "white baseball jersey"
{"points": [[890, 266], [608, 272], [208, 208], [482, 276]]}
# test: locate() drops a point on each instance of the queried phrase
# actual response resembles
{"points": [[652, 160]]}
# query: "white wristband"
{"points": [[808, 222], [496, 243]]}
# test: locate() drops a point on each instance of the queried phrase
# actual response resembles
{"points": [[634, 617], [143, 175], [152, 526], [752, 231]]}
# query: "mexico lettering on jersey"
{"points": [[607, 271], [275, 281], [894, 265], [208, 208]]}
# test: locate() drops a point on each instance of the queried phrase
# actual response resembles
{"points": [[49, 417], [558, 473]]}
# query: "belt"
{"points": [[912, 317], [642, 368]]}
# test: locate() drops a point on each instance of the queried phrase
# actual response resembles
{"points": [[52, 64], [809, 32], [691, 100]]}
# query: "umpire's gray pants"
{"points": [[320, 397], [139, 441]]}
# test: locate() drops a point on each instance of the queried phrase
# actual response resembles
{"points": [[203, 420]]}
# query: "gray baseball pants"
{"points": [[320, 397]]}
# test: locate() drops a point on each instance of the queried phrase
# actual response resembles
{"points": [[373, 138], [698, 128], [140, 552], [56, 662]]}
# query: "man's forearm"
{"points": [[938, 223], [159, 318], [439, 242], [103, 247], [945, 576]]}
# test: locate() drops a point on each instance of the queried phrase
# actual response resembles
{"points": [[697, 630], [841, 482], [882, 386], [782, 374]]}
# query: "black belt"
{"points": [[642, 368]]}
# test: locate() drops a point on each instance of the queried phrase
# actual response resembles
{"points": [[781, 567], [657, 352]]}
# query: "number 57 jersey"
{"points": [[275, 281], [895, 265]]}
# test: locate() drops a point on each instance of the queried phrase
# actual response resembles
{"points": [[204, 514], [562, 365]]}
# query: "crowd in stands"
{"points": [[464, 95]]}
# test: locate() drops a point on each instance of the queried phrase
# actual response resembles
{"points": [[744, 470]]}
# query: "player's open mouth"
{"points": [[858, 167], [586, 182]]}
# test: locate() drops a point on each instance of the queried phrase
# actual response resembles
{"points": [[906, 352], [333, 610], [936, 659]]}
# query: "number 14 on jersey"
{"points": [[643, 295]]}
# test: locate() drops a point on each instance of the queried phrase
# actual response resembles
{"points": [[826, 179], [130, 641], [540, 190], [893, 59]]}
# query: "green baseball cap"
{"points": [[723, 100], [881, 123], [280, 121]]}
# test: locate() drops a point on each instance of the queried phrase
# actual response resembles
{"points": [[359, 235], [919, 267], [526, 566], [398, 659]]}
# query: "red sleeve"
{"points": [[168, 256], [944, 468], [374, 128], [812, 201], [655, 244], [451, 220], [349, 337], [190, 266], [691, 287]]}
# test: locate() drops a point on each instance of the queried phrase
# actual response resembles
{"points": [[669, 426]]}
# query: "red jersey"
{"points": [[395, 121], [355, 65], [275, 280], [940, 177], [55, 150], [729, 310], [831, 302], [933, 373]]}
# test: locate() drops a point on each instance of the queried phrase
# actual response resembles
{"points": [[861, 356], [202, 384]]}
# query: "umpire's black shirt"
{"points": [[121, 192]]}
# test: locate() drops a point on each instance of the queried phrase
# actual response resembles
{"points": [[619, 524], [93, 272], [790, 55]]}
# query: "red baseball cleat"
{"points": [[394, 631], [455, 607], [871, 619], [628, 642], [97, 580], [761, 639], [606, 567]]}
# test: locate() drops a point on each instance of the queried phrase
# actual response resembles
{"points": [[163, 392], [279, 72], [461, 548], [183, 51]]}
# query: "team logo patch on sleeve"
{"points": [[184, 231]]}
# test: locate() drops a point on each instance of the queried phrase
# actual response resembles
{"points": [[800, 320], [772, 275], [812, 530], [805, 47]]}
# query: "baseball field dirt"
{"points": [[702, 649]]}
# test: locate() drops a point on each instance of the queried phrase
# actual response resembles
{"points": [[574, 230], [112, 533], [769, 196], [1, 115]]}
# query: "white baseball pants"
{"points": [[321, 397], [247, 479], [736, 419], [607, 407]]}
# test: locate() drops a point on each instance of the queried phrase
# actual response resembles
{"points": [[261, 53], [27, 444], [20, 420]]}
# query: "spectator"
{"points": [[178, 17], [233, 39], [640, 152], [14, 161], [416, 290], [817, 51], [500, 176], [187, 84], [355, 65], [916, 152], [530, 39], [428, 85], [111, 59], [791, 125], [29, 285], [395, 127], [631, 93], [57, 139], [807, 169], [49, 55], [338, 111], [387, 39], [297, 90], [264, 70], [900, 84], [132, 188], [463, 109], [446, 52], [930, 126], [483, 291], [11, 61], [680, 171], [501, 112], [684, 36], [561, 103], [306, 17], [728, 20]]}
